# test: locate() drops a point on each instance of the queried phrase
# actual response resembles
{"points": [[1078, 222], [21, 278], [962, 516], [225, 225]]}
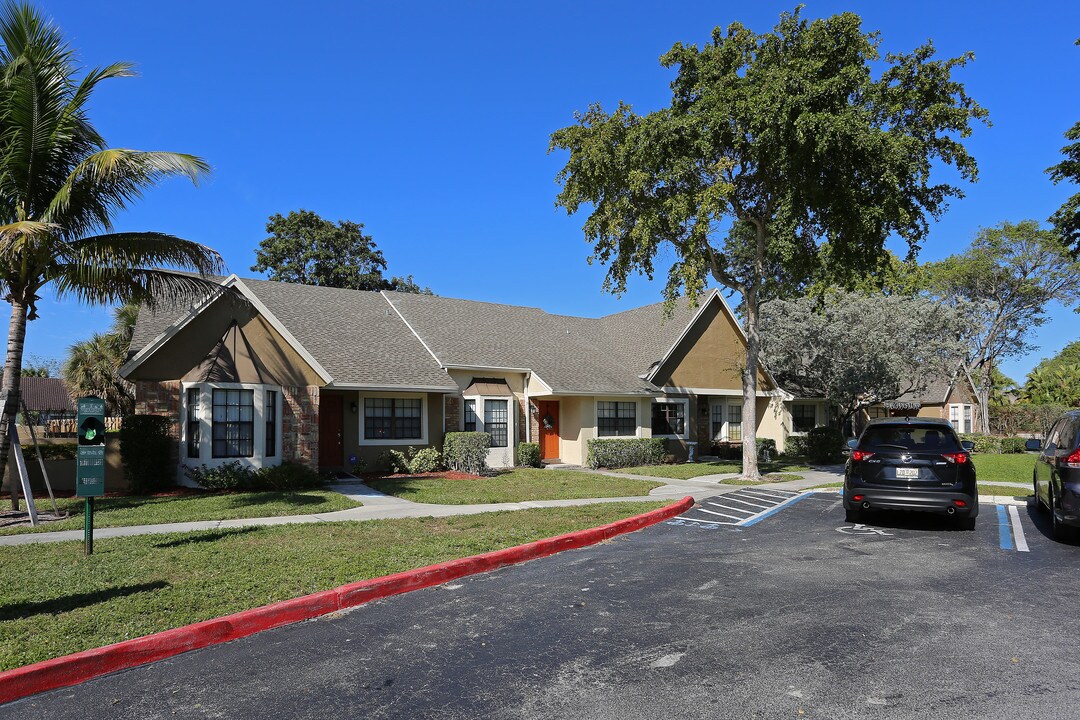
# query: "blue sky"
{"points": [[429, 123]]}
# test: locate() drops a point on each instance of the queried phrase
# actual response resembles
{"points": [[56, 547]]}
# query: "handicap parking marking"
{"points": [[860, 529], [742, 508], [1011, 530]]}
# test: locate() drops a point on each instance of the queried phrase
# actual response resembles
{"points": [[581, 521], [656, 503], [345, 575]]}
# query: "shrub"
{"points": [[466, 451], [727, 450], [1013, 445], [146, 450], [797, 445], [232, 475], [767, 445], [625, 452], [393, 461], [57, 451], [824, 444], [983, 443], [528, 454], [425, 460], [286, 476]]}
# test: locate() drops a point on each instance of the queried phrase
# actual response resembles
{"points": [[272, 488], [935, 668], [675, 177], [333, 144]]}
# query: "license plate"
{"points": [[907, 473]]}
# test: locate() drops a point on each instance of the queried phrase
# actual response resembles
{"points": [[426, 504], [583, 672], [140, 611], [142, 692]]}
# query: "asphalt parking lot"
{"points": [[797, 614]]}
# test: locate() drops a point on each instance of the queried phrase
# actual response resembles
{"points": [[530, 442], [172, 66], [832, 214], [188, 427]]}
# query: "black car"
{"points": [[911, 464], [1056, 477]]}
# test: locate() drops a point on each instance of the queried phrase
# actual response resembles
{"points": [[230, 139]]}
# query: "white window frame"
{"points": [[685, 402], [399, 442], [206, 425], [723, 404], [637, 412], [497, 456], [956, 417]]}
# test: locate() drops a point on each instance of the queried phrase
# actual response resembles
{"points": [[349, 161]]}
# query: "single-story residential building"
{"points": [[266, 371], [951, 399]]}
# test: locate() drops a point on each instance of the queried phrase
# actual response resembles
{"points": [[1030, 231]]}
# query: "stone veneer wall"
{"points": [[160, 398], [534, 421], [300, 425]]}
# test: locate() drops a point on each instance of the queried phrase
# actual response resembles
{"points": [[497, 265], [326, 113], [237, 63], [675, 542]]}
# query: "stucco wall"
{"points": [[369, 453], [710, 356]]}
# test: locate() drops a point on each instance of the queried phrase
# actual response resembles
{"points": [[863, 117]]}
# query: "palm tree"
{"points": [[93, 365], [60, 187]]}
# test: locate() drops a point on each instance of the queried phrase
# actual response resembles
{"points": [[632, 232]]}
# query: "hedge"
{"points": [[466, 451], [625, 452], [146, 450], [797, 445], [824, 444], [528, 454]]}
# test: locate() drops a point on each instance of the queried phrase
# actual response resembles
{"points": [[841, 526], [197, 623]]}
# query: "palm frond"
{"points": [[140, 249], [151, 287]]}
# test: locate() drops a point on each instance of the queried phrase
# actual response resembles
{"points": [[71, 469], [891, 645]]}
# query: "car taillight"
{"points": [[858, 455], [1073, 460], [958, 458]]}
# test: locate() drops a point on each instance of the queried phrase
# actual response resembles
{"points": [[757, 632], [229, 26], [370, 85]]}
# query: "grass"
{"points": [[152, 510], [687, 471], [1004, 468], [517, 485], [55, 600]]}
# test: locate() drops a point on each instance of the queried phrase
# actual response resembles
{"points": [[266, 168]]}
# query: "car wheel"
{"points": [[1059, 530]]}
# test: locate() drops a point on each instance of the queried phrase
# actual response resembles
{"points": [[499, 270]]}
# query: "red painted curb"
{"points": [[81, 666]]}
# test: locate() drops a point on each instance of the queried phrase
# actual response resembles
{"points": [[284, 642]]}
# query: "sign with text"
{"points": [[90, 470]]}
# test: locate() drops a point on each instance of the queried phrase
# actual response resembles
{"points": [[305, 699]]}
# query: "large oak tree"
{"points": [[773, 144]]}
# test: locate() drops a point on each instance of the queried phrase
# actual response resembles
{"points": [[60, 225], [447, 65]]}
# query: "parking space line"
{"points": [[711, 522], [766, 495], [1004, 534], [758, 505], [728, 507], [762, 515], [713, 512], [1018, 530]]}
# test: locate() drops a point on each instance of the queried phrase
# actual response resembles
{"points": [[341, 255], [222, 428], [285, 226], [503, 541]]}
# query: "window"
{"points": [[717, 422], [393, 418], [193, 422], [470, 416], [270, 416], [960, 418], [233, 424], [669, 418], [803, 417], [734, 427], [496, 416], [616, 418]]}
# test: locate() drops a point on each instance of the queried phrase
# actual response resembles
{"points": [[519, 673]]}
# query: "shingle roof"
{"points": [[364, 338], [934, 394], [43, 394]]}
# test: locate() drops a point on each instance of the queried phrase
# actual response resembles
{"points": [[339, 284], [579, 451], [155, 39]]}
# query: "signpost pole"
{"points": [[88, 525]]}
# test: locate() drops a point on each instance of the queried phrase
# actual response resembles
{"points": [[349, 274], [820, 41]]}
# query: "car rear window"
{"points": [[910, 437]]}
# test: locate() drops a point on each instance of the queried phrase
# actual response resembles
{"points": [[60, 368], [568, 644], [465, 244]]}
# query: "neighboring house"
{"points": [[953, 400], [46, 398], [268, 371]]}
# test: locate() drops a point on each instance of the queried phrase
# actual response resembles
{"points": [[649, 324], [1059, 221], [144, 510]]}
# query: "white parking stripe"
{"points": [[711, 512], [1018, 530], [735, 499], [765, 495], [728, 507], [711, 522]]}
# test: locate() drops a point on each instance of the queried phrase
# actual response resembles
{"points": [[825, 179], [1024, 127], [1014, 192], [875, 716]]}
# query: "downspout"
{"points": [[528, 410]]}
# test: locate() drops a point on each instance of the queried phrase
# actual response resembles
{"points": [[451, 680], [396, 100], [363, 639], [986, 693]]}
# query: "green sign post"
{"points": [[90, 476]]}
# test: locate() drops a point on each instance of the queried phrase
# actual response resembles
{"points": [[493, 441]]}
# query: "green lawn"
{"points": [[687, 471], [515, 485], [1007, 468], [151, 510], [55, 600]]}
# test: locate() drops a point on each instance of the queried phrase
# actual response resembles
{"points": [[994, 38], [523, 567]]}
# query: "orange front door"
{"points": [[549, 430]]}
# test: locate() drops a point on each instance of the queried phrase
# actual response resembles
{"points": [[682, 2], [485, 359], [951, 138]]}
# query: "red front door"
{"points": [[549, 430], [331, 440]]}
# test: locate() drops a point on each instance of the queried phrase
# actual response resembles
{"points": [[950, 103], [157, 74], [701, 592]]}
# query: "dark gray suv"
{"points": [[911, 464], [1056, 477]]}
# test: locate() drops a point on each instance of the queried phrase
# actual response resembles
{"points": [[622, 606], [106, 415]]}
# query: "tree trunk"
{"points": [[10, 391], [749, 387], [982, 394]]}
